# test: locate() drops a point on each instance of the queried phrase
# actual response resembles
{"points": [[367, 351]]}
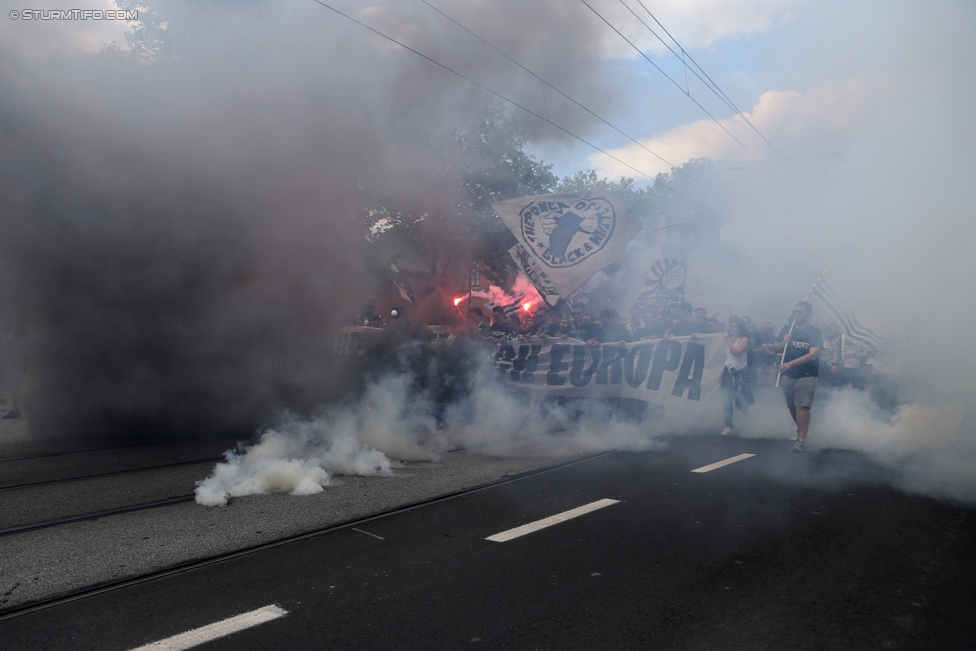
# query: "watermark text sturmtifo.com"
{"points": [[74, 14]]}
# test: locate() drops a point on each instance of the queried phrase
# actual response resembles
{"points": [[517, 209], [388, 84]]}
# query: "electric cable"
{"points": [[710, 84], [697, 103], [591, 112], [506, 99]]}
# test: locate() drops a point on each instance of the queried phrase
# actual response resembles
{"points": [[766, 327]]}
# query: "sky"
{"points": [[804, 71]]}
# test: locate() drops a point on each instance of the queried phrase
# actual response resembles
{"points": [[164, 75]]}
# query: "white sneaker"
{"points": [[727, 431]]}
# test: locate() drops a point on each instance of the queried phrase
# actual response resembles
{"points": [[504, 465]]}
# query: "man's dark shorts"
{"points": [[798, 391]]}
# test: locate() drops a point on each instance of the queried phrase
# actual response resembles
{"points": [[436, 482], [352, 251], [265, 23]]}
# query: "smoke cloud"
{"points": [[182, 219], [401, 417], [182, 212]]}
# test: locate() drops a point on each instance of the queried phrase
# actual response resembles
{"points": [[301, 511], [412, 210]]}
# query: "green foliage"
{"points": [[682, 199], [489, 164], [638, 201]]}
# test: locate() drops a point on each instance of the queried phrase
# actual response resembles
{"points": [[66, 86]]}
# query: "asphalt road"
{"points": [[776, 551]]}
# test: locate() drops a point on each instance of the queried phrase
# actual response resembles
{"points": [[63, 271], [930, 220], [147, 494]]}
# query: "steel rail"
{"points": [[41, 604]]}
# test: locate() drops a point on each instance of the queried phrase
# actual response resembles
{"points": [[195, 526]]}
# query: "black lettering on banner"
{"points": [[518, 364], [504, 357], [612, 356], [688, 377], [528, 362], [635, 375], [577, 376], [666, 358], [556, 364]]}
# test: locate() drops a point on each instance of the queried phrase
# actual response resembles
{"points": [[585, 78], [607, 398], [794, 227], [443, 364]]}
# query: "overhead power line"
{"points": [[506, 99], [710, 83], [619, 130], [678, 86]]}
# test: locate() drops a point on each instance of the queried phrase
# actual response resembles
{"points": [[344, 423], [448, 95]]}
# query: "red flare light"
{"points": [[458, 300], [526, 306]]}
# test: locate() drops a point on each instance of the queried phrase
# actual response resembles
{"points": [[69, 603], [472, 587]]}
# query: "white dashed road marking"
{"points": [[551, 520], [718, 464], [216, 630]]}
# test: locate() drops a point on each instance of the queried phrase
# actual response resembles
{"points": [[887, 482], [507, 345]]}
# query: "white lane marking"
{"points": [[551, 520], [368, 533], [216, 630], [718, 464]]}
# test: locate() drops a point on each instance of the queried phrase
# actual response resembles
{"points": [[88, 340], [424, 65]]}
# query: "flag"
{"points": [[842, 311], [664, 287], [508, 308], [401, 285], [537, 276], [569, 237]]}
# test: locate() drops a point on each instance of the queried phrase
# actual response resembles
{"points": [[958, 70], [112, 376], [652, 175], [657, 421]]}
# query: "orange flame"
{"points": [[526, 306]]}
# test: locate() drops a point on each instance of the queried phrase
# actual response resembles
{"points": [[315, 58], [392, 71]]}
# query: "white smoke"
{"points": [[924, 444], [522, 290], [300, 456], [392, 423]]}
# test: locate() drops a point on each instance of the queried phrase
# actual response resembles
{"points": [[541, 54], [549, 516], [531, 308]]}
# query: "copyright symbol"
{"points": [[14, 14]]}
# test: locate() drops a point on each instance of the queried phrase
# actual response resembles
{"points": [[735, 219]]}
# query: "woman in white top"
{"points": [[735, 375]]}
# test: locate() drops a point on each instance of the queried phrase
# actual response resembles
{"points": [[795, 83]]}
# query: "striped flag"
{"points": [[664, 287], [401, 285], [508, 308], [842, 311]]}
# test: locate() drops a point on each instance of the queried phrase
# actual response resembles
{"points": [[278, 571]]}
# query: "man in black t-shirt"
{"points": [[544, 325], [611, 331], [687, 324], [499, 328], [580, 328], [799, 369]]}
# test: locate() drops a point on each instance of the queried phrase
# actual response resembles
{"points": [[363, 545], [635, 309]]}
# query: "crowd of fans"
{"points": [[754, 359], [842, 361]]}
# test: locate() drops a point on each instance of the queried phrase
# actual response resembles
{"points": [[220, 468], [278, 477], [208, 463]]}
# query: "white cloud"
{"points": [[798, 123], [694, 23]]}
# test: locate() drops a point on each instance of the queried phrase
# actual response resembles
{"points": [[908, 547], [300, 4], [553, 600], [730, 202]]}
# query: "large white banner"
{"points": [[569, 236], [683, 374]]}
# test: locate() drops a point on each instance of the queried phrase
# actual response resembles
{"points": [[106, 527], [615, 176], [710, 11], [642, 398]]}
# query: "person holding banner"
{"points": [[580, 328], [736, 389], [687, 324], [800, 367]]}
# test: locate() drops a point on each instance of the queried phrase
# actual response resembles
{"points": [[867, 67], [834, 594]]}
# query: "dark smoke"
{"points": [[183, 221]]}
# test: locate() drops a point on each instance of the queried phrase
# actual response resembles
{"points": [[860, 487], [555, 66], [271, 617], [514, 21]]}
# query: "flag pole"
{"points": [[807, 298]]}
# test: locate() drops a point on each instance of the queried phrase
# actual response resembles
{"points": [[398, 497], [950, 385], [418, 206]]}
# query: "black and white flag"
{"points": [[568, 237], [664, 287], [842, 311]]}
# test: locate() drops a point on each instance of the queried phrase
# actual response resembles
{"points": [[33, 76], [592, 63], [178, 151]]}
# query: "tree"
{"points": [[638, 201], [489, 165]]}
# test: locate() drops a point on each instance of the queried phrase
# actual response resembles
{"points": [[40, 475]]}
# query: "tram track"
{"points": [[48, 455], [47, 482], [94, 515], [106, 586]]}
